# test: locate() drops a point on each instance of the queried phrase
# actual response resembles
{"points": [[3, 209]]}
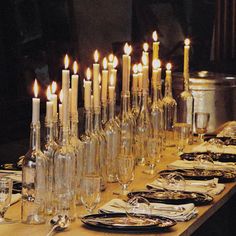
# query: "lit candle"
{"points": [[168, 71], [104, 81], [145, 52], [111, 89], [65, 89], [110, 64], [53, 98], [155, 46], [156, 70], [74, 90], [35, 104], [60, 106], [49, 106], [87, 90], [70, 98], [140, 77], [135, 78], [114, 70], [145, 73], [126, 60], [186, 58], [96, 80]]}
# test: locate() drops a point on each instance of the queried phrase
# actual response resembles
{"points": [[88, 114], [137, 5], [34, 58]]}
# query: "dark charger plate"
{"points": [[154, 195], [227, 140], [118, 221]]}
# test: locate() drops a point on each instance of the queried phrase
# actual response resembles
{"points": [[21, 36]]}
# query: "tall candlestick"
{"points": [[49, 106], [111, 89], [186, 58], [65, 89], [145, 53], [140, 77], [145, 73], [156, 70], [96, 67], [110, 64], [104, 81], [87, 90], [60, 107], [114, 70], [155, 46], [35, 104], [126, 59], [135, 78], [53, 98], [74, 91]]}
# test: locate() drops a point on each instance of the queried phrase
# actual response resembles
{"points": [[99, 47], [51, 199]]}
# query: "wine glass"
{"points": [[125, 172], [5, 198], [201, 124], [181, 135], [174, 182], [90, 191]]}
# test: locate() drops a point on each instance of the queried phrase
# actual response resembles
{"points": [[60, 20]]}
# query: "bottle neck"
{"points": [[104, 113], [35, 136], [135, 100], [97, 118], [125, 98], [50, 131], [168, 87], [74, 128], [111, 110], [65, 135], [144, 103], [88, 121]]}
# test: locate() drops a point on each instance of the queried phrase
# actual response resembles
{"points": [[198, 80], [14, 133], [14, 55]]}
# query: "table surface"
{"points": [[77, 228]]}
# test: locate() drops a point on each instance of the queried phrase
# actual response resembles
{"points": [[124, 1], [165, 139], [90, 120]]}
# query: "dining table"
{"points": [[77, 228]]}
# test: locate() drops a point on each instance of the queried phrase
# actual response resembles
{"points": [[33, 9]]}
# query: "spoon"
{"points": [[59, 223]]}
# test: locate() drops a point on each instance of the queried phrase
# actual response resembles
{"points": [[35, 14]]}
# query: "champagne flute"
{"points": [[125, 172], [181, 135], [5, 198], [90, 191], [201, 124]]}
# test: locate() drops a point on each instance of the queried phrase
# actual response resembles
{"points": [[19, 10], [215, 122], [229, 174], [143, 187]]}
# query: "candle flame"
{"points": [[96, 55], [111, 57], [156, 64], [145, 47], [104, 62], [112, 80], [61, 96], [144, 60], [36, 88], [66, 61], [127, 49], [48, 93], [88, 73], [140, 68], [187, 42], [168, 66], [115, 62], [154, 36], [75, 67], [135, 68], [54, 87]]}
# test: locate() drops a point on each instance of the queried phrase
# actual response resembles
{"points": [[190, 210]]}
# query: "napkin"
{"points": [[211, 187], [14, 175], [158, 209], [15, 198]]}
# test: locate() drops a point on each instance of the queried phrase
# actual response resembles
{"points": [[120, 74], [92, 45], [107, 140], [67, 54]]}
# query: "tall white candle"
{"points": [[87, 90], [104, 81], [53, 98], [35, 104], [110, 64], [74, 89], [126, 60], [155, 72], [49, 106], [155, 46], [145, 53], [70, 98], [60, 107], [96, 67], [114, 70], [135, 79], [145, 73], [186, 58], [140, 77], [65, 89], [111, 89], [168, 71]]}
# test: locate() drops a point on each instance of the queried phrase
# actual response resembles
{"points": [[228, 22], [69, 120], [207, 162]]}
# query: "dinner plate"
{"points": [[223, 157], [227, 140], [171, 197], [121, 222]]}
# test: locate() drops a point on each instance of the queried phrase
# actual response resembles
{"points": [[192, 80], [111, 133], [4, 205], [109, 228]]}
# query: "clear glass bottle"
{"points": [[104, 114], [185, 106], [64, 176], [49, 149], [135, 105], [102, 147], [112, 131], [143, 130], [34, 181], [78, 146], [170, 112]]}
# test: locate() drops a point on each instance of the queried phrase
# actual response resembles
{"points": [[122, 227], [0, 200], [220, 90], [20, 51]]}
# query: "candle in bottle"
{"points": [[53, 98], [126, 60], [96, 79], [156, 72], [111, 89], [74, 90], [104, 81], [60, 106], [155, 46], [145, 73], [140, 77], [135, 78], [114, 70], [49, 106], [87, 90], [186, 58], [145, 52], [168, 71], [110, 64], [35, 104]]}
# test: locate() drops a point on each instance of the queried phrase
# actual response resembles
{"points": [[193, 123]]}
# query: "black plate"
{"points": [[113, 221], [154, 195], [227, 140], [223, 157]]}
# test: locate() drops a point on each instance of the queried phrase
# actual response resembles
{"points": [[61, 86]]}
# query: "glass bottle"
{"points": [[143, 130], [64, 176], [79, 155], [102, 146], [170, 112], [185, 106], [49, 150], [135, 105], [104, 113], [34, 180], [112, 131]]}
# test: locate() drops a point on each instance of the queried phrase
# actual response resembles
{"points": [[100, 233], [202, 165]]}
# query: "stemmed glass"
{"points": [[90, 191], [181, 135], [125, 172], [5, 198], [201, 124]]}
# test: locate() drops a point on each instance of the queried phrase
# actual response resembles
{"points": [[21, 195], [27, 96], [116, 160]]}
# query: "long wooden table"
{"points": [[77, 228]]}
